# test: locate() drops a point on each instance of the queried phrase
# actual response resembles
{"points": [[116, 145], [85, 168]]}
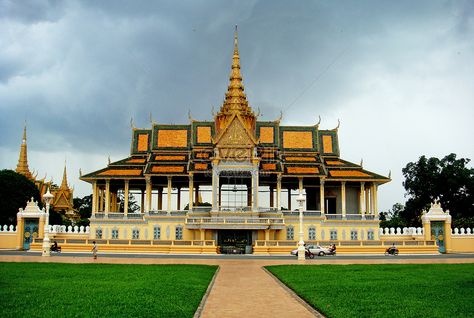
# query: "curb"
{"points": [[200, 308], [313, 311]]}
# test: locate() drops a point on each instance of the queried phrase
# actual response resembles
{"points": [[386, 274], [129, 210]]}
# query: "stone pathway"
{"points": [[241, 288], [246, 290]]}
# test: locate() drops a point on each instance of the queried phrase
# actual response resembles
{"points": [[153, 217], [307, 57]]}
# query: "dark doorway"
{"points": [[331, 205], [235, 241]]}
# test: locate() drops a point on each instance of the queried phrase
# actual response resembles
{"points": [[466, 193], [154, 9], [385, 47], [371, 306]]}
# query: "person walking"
{"points": [[94, 250]]}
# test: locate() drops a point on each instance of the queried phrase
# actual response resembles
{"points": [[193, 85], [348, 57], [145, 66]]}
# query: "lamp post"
{"points": [[48, 197], [301, 249]]}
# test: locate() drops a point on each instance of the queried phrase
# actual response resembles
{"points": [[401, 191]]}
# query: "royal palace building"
{"points": [[257, 174]]}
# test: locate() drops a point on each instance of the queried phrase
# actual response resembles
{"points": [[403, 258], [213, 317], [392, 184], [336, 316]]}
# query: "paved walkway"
{"points": [[242, 288]]}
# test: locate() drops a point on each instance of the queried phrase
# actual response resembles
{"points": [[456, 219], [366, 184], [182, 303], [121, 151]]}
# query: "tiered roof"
{"points": [[173, 150]]}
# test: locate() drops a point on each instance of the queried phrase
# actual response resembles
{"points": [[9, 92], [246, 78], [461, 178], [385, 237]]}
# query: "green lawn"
{"points": [[428, 290], [101, 290]]}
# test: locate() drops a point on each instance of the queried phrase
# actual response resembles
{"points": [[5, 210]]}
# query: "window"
{"points": [[370, 235], [333, 235], [354, 235], [312, 233], [114, 233], [290, 233], [98, 233], [135, 234], [179, 232], [156, 233]]}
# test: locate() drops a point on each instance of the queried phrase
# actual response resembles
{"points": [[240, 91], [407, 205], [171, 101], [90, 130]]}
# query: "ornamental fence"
{"points": [[419, 231]]}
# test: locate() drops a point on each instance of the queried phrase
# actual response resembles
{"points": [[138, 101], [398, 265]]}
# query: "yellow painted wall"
{"points": [[8, 240], [462, 244]]}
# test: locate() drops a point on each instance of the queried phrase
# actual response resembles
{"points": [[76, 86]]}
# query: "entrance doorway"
{"points": [[437, 234], [30, 232], [330, 205], [235, 241]]}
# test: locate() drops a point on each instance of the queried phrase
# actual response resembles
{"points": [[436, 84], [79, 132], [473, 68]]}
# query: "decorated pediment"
{"points": [[236, 135]]}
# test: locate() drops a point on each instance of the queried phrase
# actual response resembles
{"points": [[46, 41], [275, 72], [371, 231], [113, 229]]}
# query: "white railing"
{"points": [[233, 220], [224, 208], [56, 229], [117, 216], [202, 209], [401, 231], [267, 209], [8, 228], [462, 231]]}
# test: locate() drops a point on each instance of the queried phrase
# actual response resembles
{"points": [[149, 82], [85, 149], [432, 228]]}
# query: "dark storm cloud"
{"points": [[79, 70], [31, 11]]}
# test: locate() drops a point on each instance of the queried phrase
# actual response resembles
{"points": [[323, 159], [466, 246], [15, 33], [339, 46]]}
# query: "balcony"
{"points": [[236, 223]]}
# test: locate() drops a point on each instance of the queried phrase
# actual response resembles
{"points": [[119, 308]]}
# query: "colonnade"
{"points": [[104, 200]]}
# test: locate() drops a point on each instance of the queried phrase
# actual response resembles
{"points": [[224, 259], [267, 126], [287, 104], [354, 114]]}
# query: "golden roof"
{"points": [[22, 166]]}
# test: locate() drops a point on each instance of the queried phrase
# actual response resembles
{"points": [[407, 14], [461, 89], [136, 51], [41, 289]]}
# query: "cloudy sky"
{"points": [[398, 74]]}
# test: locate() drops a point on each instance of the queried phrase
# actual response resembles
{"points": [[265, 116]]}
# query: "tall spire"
{"points": [[22, 166], [64, 182], [235, 99]]}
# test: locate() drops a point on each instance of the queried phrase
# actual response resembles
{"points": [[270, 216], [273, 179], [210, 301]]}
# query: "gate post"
{"points": [[436, 213]]}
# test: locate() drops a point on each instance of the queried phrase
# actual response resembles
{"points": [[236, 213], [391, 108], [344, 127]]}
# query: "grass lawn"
{"points": [[101, 290], [427, 290]]}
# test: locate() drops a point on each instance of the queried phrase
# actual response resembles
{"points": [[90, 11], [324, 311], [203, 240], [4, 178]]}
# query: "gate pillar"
{"points": [[437, 226]]}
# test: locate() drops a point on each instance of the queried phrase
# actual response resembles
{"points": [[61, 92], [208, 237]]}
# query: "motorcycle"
{"points": [[391, 251]]}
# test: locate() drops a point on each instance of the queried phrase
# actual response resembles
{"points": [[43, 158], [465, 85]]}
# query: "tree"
{"points": [[15, 191], [132, 203], [448, 181], [393, 217], [84, 208]]}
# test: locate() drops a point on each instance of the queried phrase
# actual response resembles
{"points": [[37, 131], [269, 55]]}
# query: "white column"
{"points": [[362, 199], [255, 190], [343, 199], [278, 195], [191, 188], [148, 194], [215, 188], [107, 196], [374, 194], [101, 199], [169, 189], [126, 194], [321, 195], [367, 200], [94, 198]]}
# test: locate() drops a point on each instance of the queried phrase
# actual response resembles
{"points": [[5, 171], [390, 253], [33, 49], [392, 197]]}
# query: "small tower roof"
{"points": [[64, 184], [22, 166], [235, 98]]}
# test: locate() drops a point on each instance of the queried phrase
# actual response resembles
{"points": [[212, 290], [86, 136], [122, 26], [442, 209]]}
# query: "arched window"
{"points": [[98, 233], [156, 232], [312, 233], [290, 233], [354, 236], [135, 234], [115, 233], [179, 232]]}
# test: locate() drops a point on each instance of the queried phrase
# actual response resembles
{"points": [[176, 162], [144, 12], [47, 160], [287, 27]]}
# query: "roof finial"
{"points": [[361, 162], [64, 182], [319, 121], [236, 40], [390, 174]]}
